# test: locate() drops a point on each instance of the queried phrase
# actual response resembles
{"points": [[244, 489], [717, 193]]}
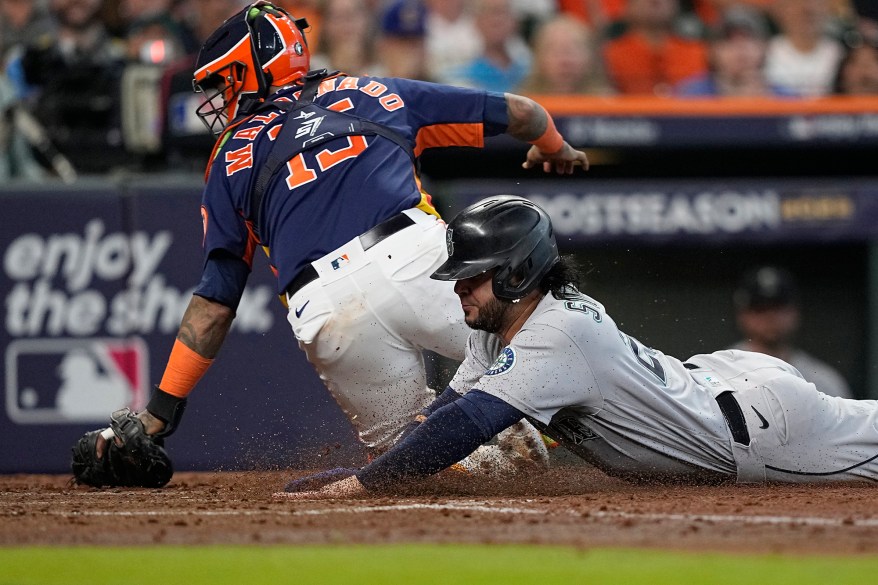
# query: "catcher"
{"points": [[320, 170]]}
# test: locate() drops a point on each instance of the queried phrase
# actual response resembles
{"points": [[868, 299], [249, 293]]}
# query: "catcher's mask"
{"points": [[507, 233], [260, 46]]}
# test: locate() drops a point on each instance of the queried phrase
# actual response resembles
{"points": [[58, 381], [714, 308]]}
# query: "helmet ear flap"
{"points": [[501, 277], [510, 282], [518, 276]]}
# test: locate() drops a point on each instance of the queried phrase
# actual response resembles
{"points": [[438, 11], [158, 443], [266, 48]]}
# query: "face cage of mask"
{"points": [[214, 111]]}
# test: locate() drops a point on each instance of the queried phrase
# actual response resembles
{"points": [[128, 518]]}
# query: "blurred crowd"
{"points": [[91, 86]]}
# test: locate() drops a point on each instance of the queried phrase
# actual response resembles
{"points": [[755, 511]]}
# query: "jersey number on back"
{"points": [[645, 355], [300, 174], [583, 304], [646, 358]]}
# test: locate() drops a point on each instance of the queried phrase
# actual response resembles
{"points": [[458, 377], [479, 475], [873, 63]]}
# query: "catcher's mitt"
{"points": [[140, 460]]}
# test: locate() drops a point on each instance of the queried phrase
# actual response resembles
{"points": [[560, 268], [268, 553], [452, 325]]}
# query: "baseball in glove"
{"points": [[131, 458]]}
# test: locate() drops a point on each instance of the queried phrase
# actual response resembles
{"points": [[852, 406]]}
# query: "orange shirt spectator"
{"points": [[710, 11], [649, 57], [598, 13], [638, 66]]}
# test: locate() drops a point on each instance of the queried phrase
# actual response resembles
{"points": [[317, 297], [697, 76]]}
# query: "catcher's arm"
{"points": [[530, 122], [201, 334], [202, 331], [130, 451]]}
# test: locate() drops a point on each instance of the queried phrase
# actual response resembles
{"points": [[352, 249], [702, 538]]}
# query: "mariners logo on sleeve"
{"points": [[504, 362]]}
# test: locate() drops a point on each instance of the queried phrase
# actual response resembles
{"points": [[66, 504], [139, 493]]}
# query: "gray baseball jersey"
{"points": [[636, 412]]}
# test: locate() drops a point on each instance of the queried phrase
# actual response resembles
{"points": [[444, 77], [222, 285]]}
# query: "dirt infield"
{"points": [[569, 506]]}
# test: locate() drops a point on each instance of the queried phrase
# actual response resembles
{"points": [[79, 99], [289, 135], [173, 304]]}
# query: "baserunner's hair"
{"points": [[564, 274]]}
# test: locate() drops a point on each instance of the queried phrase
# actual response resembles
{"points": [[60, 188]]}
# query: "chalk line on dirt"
{"points": [[485, 508]]}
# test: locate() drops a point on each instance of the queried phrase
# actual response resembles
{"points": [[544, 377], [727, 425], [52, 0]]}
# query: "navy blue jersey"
{"points": [[327, 195]]}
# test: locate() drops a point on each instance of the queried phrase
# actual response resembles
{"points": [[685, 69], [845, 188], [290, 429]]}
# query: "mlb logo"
{"points": [[340, 262], [52, 381]]}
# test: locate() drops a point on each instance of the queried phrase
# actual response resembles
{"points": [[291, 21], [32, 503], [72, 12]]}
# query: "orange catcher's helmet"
{"points": [[259, 47]]}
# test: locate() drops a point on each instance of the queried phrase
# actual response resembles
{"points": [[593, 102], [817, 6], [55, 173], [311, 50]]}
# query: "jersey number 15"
{"points": [[301, 174]]}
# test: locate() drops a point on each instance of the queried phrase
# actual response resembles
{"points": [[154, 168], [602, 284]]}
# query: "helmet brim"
{"points": [[453, 269]]}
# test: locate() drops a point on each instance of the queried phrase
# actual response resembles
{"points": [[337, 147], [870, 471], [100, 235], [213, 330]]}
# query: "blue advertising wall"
{"points": [[94, 284], [695, 211]]}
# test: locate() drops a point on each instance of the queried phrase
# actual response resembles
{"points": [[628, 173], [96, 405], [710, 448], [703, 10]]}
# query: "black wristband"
{"points": [[168, 408]]}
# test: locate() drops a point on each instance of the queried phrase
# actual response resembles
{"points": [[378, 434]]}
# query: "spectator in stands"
{"points": [[803, 57], [530, 13], [347, 39], [505, 58], [17, 159], [596, 13], [650, 56], [402, 45], [185, 141], [311, 10], [601, 14], [202, 17], [711, 11], [768, 315], [736, 60], [153, 33], [20, 21], [858, 71], [76, 72], [452, 36], [566, 60], [867, 17]]}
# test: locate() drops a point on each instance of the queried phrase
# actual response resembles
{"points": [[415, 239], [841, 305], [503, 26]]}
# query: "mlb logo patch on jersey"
{"points": [[504, 362], [340, 262]]}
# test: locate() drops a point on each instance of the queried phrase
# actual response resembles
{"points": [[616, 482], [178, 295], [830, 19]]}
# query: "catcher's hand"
{"points": [[131, 458], [563, 162]]}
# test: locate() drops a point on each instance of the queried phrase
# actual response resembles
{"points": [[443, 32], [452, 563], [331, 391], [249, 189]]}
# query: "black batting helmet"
{"points": [[505, 232]]}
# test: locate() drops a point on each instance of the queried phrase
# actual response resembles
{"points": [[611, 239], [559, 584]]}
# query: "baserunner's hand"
{"points": [[346, 488]]}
